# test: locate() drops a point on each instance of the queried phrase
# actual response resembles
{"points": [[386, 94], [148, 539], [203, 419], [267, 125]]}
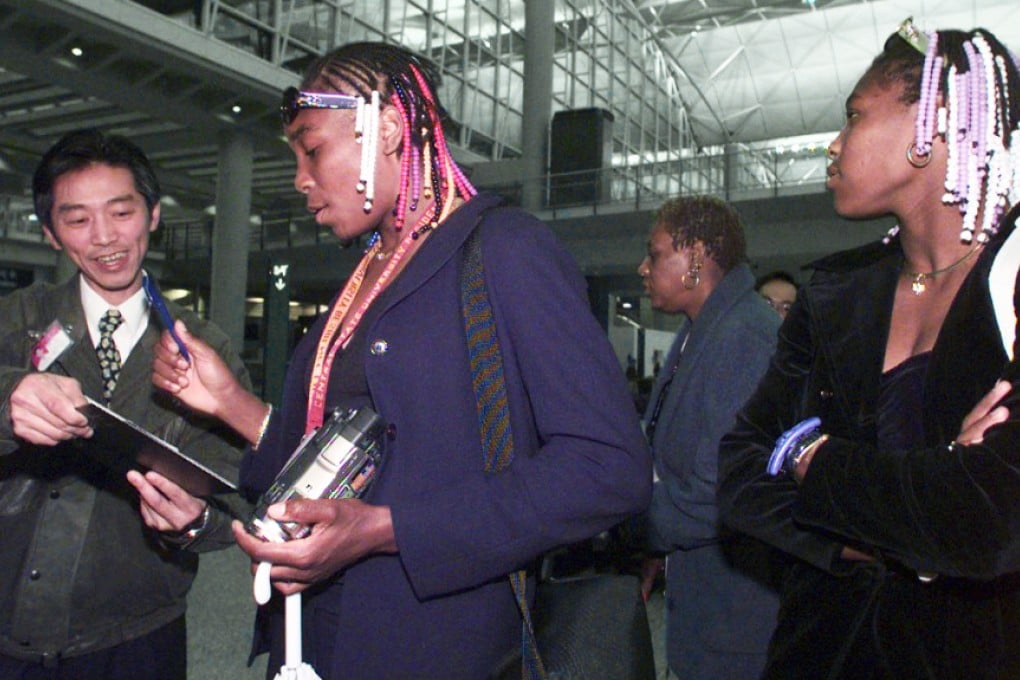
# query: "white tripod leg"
{"points": [[293, 666], [292, 636]]}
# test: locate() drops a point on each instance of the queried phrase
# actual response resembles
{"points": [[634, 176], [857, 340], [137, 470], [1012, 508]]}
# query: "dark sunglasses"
{"points": [[294, 100]]}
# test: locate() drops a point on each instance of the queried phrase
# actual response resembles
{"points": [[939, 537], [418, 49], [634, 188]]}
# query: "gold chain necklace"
{"points": [[917, 285]]}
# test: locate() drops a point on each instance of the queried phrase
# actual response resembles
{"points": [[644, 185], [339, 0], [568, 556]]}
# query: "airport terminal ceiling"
{"points": [[746, 71]]}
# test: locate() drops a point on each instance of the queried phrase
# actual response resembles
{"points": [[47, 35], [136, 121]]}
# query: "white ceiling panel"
{"points": [[792, 63]]}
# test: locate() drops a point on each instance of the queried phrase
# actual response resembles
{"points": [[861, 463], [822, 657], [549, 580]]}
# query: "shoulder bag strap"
{"points": [[489, 384]]}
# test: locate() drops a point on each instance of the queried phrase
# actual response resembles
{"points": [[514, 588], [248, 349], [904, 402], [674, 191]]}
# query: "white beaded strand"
{"points": [[369, 146], [359, 120], [372, 132], [360, 136], [952, 148]]}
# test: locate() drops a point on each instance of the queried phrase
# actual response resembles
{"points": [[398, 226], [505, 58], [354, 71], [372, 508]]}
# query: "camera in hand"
{"points": [[338, 460]]}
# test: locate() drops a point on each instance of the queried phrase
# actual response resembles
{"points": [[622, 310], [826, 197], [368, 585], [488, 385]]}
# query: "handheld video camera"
{"points": [[338, 460]]}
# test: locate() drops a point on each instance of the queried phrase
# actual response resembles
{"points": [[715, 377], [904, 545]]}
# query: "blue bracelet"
{"points": [[788, 442]]}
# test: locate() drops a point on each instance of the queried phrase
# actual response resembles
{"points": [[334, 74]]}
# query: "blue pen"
{"points": [[156, 301]]}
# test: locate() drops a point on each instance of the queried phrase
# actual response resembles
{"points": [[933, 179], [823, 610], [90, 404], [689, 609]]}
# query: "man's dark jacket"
{"points": [[79, 571]]}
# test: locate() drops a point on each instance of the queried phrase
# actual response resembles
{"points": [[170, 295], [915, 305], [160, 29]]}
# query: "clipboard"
{"points": [[122, 445]]}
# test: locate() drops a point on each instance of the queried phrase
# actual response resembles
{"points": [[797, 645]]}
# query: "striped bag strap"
{"points": [[489, 384]]}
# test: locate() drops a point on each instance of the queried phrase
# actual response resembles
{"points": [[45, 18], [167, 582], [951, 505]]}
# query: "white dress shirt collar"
{"points": [[134, 310]]}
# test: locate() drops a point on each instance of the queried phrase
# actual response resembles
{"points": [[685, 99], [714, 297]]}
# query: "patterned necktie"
{"points": [[106, 350]]}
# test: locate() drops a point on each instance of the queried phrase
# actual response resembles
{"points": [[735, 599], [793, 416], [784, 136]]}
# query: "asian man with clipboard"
{"points": [[87, 585]]}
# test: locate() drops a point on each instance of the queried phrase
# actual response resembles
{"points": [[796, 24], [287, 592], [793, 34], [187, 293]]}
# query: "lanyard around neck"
{"points": [[331, 341]]}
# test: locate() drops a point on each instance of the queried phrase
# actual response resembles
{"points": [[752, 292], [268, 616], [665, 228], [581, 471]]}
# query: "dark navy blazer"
{"points": [[443, 607], [721, 599]]}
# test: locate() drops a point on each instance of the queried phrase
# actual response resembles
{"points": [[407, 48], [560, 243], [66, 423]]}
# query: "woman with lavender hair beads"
{"points": [[882, 448]]}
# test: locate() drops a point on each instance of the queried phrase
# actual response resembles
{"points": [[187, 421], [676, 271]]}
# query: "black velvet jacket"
{"points": [[949, 510]]}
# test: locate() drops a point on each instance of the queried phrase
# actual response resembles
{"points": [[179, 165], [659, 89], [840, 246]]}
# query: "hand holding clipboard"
{"points": [[123, 445]]}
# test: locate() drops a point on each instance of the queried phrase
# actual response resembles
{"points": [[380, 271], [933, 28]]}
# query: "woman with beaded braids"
{"points": [[882, 448], [411, 581]]}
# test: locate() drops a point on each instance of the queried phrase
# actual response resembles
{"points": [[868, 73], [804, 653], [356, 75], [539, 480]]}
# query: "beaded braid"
{"points": [[410, 161], [399, 100], [925, 120], [969, 84], [380, 72]]}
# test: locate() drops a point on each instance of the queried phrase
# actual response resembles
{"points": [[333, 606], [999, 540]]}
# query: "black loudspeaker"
{"points": [[580, 150]]}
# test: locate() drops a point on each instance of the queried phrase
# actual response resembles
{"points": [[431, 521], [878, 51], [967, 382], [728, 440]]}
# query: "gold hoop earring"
{"points": [[691, 279], [921, 160]]}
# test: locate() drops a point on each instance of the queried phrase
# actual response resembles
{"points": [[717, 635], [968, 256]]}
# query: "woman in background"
{"points": [[721, 595]]}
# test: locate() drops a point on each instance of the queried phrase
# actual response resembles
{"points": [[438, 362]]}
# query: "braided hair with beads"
{"points": [[380, 72], [967, 87]]}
